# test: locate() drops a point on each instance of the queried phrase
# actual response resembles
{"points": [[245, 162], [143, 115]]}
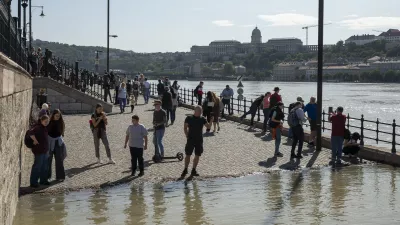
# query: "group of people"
{"points": [[35, 59]]}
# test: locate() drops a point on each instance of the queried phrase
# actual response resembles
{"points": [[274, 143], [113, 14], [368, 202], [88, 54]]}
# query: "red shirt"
{"points": [[338, 124]]}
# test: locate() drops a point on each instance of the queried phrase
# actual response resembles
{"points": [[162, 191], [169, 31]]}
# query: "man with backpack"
{"points": [[295, 120], [291, 106]]}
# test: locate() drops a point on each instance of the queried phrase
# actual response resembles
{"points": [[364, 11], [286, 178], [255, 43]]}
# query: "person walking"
{"points": [[266, 110], [99, 123], [216, 112], [253, 109], [56, 130], [135, 90], [167, 103], [208, 108], [160, 89], [40, 150], [136, 134], [159, 122], [198, 92], [146, 91], [174, 94], [311, 110], [227, 95], [193, 129], [276, 125], [117, 83], [338, 121], [132, 102], [296, 119], [122, 97], [128, 91], [176, 87]]}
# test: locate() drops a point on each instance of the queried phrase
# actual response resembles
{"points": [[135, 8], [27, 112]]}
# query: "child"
{"points": [[132, 101], [351, 147], [136, 134]]}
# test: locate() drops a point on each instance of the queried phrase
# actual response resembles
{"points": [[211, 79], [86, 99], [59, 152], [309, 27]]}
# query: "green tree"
{"points": [[228, 69], [207, 71]]}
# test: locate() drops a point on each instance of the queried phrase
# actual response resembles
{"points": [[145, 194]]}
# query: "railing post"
{"points": [[238, 105], [362, 130], [348, 121], [323, 120], [258, 113], [377, 130], [231, 105], [192, 96], [76, 74], [184, 95], [244, 105], [394, 137]]}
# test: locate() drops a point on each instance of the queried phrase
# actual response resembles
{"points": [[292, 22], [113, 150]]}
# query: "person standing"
{"points": [[128, 91], [117, 86], [193, 129], [277, 126], [167, 103], [216, 112], [160, 89], [107, 86], [227, 95], [296, 119], [198, 92], [208, 108], [275, 98], [174, 94], [136, 134], [338, 121], [33, 61], [266, 110], [39, 135], [159, 122], [253, 109], [135, 89], [176, 87], [291, 106], [122, 97], [311, 110], [56, 130], [146, 91], [99, 123]]}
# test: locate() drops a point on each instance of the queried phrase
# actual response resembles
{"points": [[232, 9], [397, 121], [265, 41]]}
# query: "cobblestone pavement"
{"points": [[234, 151]]}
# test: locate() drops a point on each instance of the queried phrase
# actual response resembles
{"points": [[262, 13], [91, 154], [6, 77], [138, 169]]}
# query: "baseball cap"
{"points": [[300, 99], [276, 89]]}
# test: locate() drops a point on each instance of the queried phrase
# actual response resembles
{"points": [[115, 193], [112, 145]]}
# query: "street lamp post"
{"points": [[320, 71], [108, 36], [30, 21], [96, 63], [24, 5]]}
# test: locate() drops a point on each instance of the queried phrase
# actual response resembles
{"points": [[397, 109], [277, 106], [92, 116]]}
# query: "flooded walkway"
{"points": [[351, 195], [234, 151]]}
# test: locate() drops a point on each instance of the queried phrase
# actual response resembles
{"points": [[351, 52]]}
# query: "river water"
{"points": [[362, 195]]}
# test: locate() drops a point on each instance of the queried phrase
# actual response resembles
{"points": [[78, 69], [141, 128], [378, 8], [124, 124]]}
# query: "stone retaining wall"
{"points": [[15, 108]]}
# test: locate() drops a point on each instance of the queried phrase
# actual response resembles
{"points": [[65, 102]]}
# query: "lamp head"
{"points": [[42, 14], [24, 3]]}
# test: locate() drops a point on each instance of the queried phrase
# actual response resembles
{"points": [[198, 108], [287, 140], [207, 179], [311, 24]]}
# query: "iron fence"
{"points": [[373, 130], [11, 42]]}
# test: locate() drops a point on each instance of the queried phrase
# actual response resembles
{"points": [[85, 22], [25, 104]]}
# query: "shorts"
{"points": [[196, 145], [313, 125]]}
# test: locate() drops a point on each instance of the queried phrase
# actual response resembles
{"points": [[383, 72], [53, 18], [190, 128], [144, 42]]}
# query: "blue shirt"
{"points": [[311, 110], [227, 93], [122, 92]]}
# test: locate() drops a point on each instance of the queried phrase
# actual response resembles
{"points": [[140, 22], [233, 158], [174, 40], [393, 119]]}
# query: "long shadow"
{"points": [[293, 164], [123, 180], [30, 190], [313, 159], [269, 163], [75, 171]]}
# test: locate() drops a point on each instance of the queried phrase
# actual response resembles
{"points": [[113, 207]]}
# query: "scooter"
{"points": [[157, 158]]}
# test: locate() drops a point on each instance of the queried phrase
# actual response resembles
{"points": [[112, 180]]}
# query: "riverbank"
{"points": [[232, 152]]}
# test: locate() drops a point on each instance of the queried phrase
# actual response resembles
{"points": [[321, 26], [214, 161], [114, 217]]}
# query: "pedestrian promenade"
{"points": [[234, 151]]}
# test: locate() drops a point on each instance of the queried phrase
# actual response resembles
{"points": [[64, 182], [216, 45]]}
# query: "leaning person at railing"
{"points": [[338, 121], [253, 110]]}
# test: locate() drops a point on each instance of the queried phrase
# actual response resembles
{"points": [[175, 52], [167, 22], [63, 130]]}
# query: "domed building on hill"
{"points": [[233, 47]]}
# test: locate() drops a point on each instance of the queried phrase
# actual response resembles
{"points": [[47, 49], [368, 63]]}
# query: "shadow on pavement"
{"points": [[123, 180], [313, 159], [75, 171], [293, 164], [269, 163], [30, 190]]}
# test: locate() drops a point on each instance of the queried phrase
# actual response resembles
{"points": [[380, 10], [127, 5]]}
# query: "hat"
{"points": [[157, 102], [300, 99], [276, 89]]}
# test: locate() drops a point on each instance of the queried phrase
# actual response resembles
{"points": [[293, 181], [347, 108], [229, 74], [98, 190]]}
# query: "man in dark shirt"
{"points": [[160, 89], [338, 121], [159, 121], [275, 98], [198, 92], [194, 133], [253, 109], [167, 102]]}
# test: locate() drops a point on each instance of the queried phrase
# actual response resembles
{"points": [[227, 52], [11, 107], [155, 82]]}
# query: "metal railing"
{"points": [[11, 43], [373, 130]]}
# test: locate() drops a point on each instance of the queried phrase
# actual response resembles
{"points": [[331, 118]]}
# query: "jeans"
{"points": [[298, 136], [199, 98], [173, 113], [59, 161], [169, 112], [157, 140], [266, 118], [278, 139], [337, 147], [137, 157], [122, 104], [146, 95], [104, 139], [226, 102], [39, 169], [253, 112]]}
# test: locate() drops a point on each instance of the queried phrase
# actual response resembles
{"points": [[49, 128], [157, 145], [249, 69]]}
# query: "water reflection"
{"points": [[158, 204], [314, 187], [99, 208], [136, 212], [194, 212]]}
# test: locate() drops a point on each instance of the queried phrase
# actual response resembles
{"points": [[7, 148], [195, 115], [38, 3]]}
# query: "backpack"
{"points": [[293, 120], [195, 92], [273, 100], [28, 140], [291, 106]]}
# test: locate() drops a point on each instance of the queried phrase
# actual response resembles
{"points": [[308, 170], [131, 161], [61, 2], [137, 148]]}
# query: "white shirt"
{"points": [[146, 84]]}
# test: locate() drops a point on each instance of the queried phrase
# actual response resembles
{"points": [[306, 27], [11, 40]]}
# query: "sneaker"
{"points": [[98, 160], [184, 172], [110, 161], [279, 154], [141, 174], [133, 173], [299, 156], [194, 173]]}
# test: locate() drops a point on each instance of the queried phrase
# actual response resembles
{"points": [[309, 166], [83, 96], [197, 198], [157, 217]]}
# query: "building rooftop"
{"points": [[386, 62], [281, 39], [225, 41], [390, 32], [361, 37]]}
